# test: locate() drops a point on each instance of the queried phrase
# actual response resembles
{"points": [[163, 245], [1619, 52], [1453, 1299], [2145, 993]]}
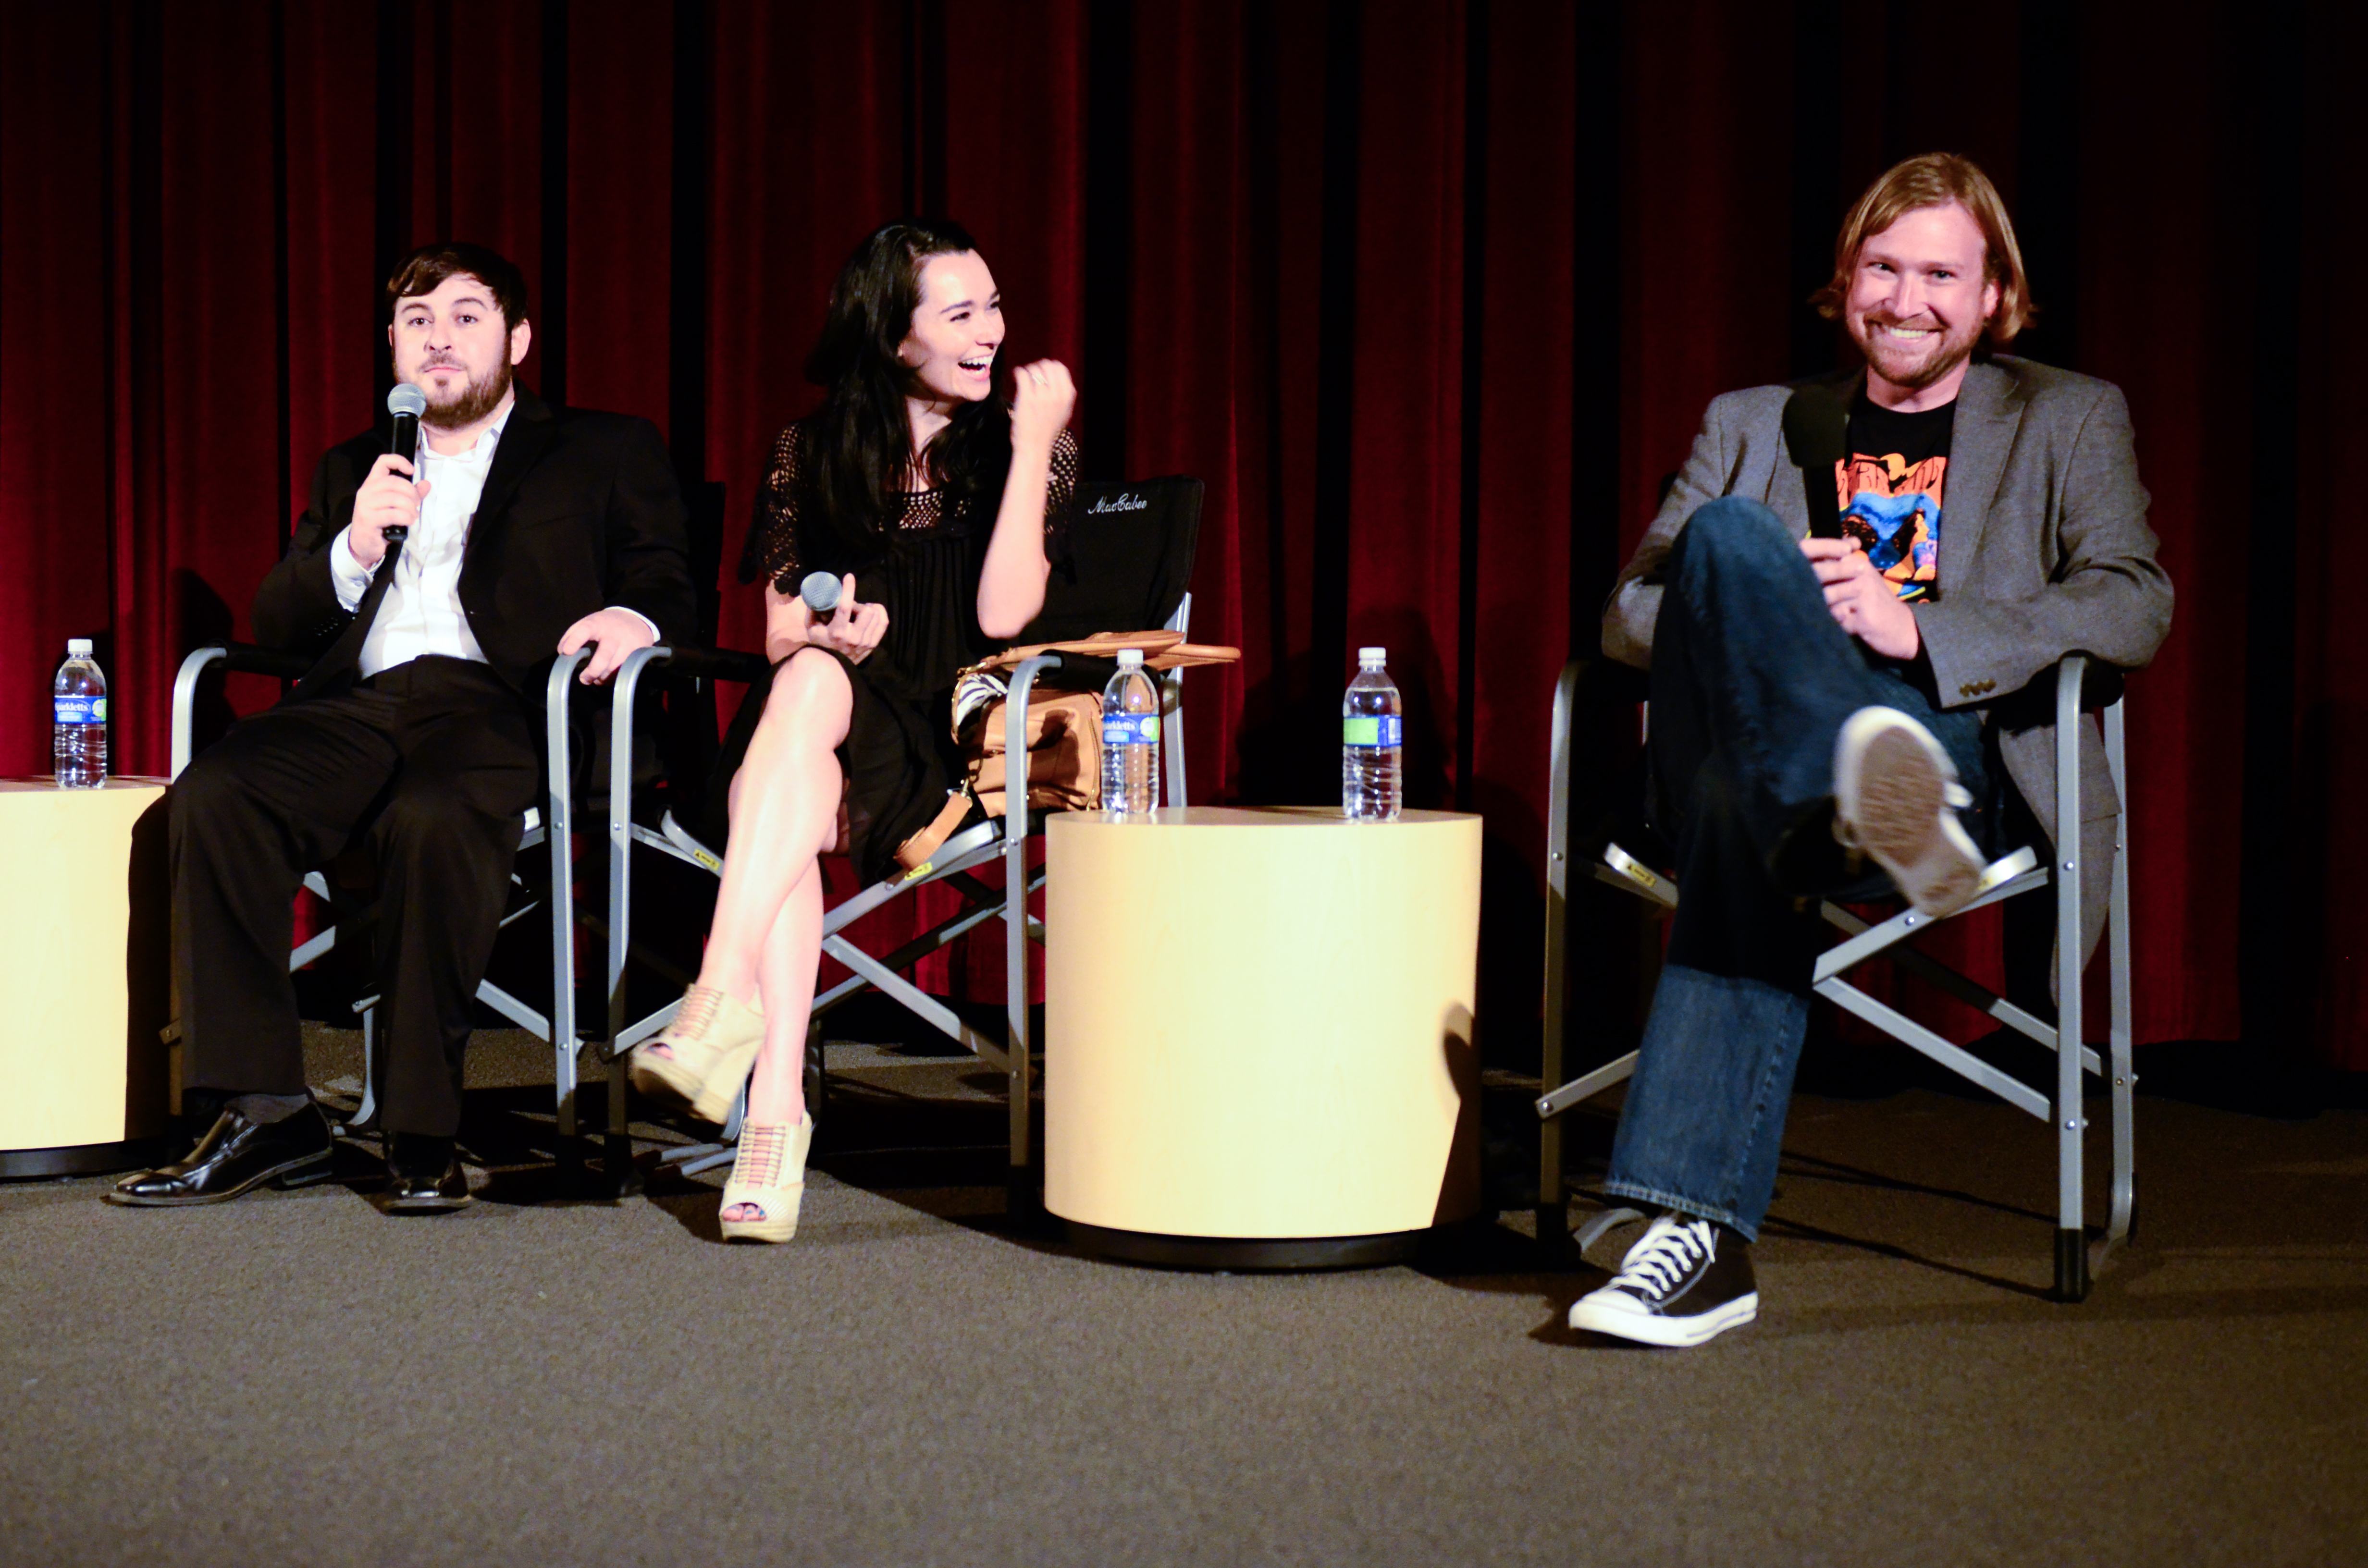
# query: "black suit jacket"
{"points": [[580, 511]]}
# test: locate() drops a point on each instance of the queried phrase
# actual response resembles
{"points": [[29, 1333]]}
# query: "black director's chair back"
{"points": [[1126, 568]]}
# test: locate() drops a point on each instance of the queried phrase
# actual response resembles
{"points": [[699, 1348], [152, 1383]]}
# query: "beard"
{"points": [[1914, 369], [475, 399]]}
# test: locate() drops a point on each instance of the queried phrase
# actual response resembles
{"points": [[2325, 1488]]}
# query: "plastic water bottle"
{"points": [[1372, 732], [78, 745], [1130, 738]]}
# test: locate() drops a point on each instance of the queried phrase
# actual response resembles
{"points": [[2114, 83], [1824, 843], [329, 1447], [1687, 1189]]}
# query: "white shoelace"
{"points": [[1669, 1248]]}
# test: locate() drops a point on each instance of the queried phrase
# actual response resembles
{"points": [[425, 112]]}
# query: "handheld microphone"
{"points": [[1817, 433], [406, 403], [821, 592]]}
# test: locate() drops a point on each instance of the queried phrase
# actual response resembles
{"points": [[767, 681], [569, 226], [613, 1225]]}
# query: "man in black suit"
{"points": [[528, 530]]}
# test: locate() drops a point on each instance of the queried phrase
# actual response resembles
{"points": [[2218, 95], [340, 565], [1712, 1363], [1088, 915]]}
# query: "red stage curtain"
{"points": [[1430, 294]]}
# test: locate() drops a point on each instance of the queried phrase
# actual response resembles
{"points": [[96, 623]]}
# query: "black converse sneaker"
{"points": [[1685, 1281]]}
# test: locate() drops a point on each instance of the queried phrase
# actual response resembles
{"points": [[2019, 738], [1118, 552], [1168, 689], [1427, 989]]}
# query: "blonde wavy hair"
{"points": [[1935, 179]]}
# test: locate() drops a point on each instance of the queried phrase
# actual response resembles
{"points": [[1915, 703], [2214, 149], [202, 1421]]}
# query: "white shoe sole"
{"points": [[1644, 1328], [1892, 783]]}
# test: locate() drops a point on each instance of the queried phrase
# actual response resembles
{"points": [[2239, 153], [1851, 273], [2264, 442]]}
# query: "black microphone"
{"points": [[1817, 432], [406, 403]]}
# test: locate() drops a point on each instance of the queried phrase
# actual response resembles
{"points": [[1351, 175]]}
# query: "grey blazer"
{"points": [[2045, 551]]}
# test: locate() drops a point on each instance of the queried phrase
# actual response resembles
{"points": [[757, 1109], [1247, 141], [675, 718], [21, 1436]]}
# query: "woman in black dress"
{"points": [[933, 501]]}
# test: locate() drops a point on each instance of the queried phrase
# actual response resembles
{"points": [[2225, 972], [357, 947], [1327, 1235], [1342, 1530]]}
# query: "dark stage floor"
{"points": [[293, 1378]]}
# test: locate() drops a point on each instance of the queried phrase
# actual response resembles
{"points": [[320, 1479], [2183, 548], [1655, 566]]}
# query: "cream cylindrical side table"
{"points": [[1258, 1047], [83, 975]]}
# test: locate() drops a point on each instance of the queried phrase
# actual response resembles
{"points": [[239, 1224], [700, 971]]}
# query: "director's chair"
{"points": [[2023, 871], [1129, 560], [549, 825]]}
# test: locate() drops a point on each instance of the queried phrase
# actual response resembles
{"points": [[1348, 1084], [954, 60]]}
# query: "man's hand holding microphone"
{"points": [[387, 505], [389, 498]]}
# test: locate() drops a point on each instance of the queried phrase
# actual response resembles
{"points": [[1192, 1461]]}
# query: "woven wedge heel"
{"points": [[768, 1173], [712, 1044]]}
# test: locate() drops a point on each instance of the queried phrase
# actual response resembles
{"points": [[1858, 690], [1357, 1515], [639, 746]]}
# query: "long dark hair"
{"points": [[860, 441]]}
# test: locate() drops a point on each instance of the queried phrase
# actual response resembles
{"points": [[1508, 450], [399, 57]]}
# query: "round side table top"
{"points": [[1303, 817], [45, 784]]}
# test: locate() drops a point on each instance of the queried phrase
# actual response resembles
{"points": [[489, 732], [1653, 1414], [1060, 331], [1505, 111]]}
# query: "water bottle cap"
{"points": [[77, 647], [1373, 656], [1130, 658]]}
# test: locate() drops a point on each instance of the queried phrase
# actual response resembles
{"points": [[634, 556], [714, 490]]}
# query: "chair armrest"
{"points": [[700, 663], [247, 658], [2084, 684], [242, 658], [1606, 681], [2070, 675], [711, 663], [558, 688], [2101, 684], [1023, 679], [1015, 722]]}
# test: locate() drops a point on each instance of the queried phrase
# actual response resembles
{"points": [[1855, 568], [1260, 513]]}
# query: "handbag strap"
{"points": [[915, 852], [1162, 650]]}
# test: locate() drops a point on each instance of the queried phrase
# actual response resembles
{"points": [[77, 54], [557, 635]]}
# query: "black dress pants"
{"points": [[430, 765]]}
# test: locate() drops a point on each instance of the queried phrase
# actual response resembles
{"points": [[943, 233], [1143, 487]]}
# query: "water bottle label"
{"points": [[1375, 729], [1130, 728], [80, 709]]}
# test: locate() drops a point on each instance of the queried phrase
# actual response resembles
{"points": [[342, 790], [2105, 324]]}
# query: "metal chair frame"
{"points": [[2076, 1259], [549, 825], [1005, 838]]}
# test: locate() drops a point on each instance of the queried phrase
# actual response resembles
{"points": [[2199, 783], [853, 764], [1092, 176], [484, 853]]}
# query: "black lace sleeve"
{"points": [[772, 554], [1060, 495]]}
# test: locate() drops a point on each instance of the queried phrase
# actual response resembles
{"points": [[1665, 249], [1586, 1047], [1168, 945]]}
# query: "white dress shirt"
{"points": [[421, 612]]}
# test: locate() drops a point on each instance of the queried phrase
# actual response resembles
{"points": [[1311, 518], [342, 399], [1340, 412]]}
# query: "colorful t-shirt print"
{"points": [[1891, 488]]}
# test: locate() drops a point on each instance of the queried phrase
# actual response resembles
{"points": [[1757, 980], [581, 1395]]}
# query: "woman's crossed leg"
{"points": [[765, 947]]}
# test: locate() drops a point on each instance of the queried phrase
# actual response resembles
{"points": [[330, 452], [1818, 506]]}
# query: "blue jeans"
{"points": [[1751, 683]]}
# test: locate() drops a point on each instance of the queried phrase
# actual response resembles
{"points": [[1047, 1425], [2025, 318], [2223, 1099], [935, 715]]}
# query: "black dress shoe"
{"points": [[236, 1156], [424, 1175]]}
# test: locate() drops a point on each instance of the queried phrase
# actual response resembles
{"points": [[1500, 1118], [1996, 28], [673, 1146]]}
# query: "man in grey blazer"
{"points": [[1817, 702]]}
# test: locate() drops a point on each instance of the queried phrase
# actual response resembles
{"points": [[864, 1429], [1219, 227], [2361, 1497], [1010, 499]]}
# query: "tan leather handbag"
{"points": [[1064, 731], [1065, 753], [1064, 740]]}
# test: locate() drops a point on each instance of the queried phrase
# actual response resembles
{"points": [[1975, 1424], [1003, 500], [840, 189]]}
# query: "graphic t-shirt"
{"points": [[1891, 487]]}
